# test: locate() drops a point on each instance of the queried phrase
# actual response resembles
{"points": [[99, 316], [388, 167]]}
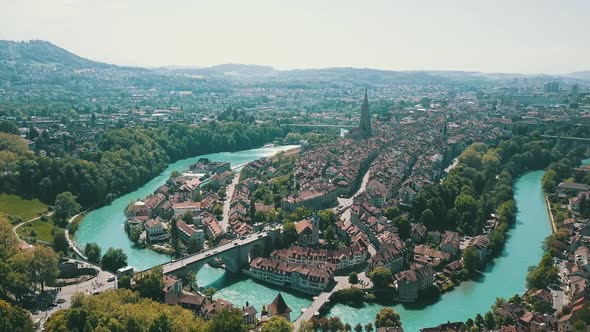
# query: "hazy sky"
{"points": [[528, 36]]}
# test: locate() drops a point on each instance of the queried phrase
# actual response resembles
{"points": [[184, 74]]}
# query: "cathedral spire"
{"points": [[365, 125]]}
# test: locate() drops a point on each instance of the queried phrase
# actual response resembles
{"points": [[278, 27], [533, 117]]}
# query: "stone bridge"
{"points": [[235, 255]]}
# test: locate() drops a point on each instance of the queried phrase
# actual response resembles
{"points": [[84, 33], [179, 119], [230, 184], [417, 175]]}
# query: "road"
{"points": [[226, 206], [324, 297], [180, 263], [73, 244], [347, 202], [95, 285]]}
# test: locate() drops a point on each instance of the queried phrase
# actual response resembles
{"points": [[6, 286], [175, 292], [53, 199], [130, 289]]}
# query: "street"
{"points": [[95, 285]]}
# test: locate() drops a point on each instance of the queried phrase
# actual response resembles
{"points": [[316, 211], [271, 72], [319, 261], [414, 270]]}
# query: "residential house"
{"points": [[450, 243], [411, 282], [155, 231]]}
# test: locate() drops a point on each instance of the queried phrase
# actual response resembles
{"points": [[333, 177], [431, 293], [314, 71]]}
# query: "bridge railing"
{"points": [[204, 251]]}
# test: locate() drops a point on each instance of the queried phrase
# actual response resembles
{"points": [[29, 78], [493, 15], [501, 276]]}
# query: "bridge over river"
{"points": [[236, 254]]}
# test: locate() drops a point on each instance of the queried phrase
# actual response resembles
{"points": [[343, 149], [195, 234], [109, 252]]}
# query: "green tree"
{"points": [[289, 234], [542, 275], [227, 320], [580, 326], [162, 324], [43, 266], [358, 327], [92, 252], [217, 210], [479, 321], [194, 246], [470, 259], [124, 282], [114, 259], [392, 212], [60, 242], [381, 277], [150, 284], [187, 217], [549, 181], [404, 227], [209, 292], [66, 205], [9, 127], [427, 218], [277, 324], [387, 317], [174, 238], [353, 278], [489, 320], [369, 327], [13, 318]]}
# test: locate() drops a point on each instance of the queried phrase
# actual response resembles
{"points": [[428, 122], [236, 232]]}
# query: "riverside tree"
{"points": [[66, 205], [114, 259]]}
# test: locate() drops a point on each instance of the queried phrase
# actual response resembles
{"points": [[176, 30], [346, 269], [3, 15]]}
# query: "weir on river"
{"points": [[504, 278]]}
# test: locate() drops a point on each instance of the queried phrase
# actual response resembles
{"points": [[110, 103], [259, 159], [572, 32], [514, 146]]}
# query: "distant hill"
{"points": [[582, 75], [43, 53], [43, 62], [228, 69]]}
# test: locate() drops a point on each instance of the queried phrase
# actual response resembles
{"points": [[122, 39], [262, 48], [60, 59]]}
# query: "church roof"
{"points": [[278, 306]]}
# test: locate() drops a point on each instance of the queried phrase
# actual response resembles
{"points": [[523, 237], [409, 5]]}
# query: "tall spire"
{"points": [[365, 125]]}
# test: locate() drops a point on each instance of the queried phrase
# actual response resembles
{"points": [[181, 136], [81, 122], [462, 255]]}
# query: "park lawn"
{"points": [[42, 229], [25, 209]]}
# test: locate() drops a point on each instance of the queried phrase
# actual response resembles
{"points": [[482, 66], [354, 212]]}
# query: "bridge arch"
{"points": [[256, 250]]}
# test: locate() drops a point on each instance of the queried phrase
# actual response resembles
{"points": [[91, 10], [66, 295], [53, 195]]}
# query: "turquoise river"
{"points": [[505, 277]]}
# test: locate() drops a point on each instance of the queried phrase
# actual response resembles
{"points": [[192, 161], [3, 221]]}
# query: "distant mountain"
{"points": [[43, 53]]}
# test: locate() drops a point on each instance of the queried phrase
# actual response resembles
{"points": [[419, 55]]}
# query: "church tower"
{"points": [[365, 125]]}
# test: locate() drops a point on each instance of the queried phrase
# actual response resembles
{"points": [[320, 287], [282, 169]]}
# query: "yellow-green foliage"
{"points": [[114, 309]]}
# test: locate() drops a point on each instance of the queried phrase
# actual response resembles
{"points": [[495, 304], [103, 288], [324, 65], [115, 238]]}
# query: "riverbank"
{"points": [[521, 250], [105, 225], [550, 214]]}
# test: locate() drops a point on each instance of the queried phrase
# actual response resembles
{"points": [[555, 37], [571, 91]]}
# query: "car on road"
{"points": [[111, 278]]}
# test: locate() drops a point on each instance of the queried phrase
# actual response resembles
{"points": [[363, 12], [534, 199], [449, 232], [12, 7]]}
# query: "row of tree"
{"points": [[482, 184], [126, 159]]}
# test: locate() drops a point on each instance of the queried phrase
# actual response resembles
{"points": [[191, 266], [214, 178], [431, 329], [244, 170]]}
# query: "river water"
{"points": [[504, 278], [105, 227]]}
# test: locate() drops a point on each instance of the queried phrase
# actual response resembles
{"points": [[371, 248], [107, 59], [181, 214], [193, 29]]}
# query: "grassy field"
{"points": [[16, 206], [41, 231]]}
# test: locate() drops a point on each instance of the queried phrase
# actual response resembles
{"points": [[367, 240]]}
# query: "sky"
{"points": [[524, 36]]}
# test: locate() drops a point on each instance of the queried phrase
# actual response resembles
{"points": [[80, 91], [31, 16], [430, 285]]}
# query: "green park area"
{"points": [[37, 230], [18, 207]]}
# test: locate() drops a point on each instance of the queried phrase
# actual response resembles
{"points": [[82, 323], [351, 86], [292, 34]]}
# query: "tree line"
{"points": [[482, 184], [126, 159]]}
